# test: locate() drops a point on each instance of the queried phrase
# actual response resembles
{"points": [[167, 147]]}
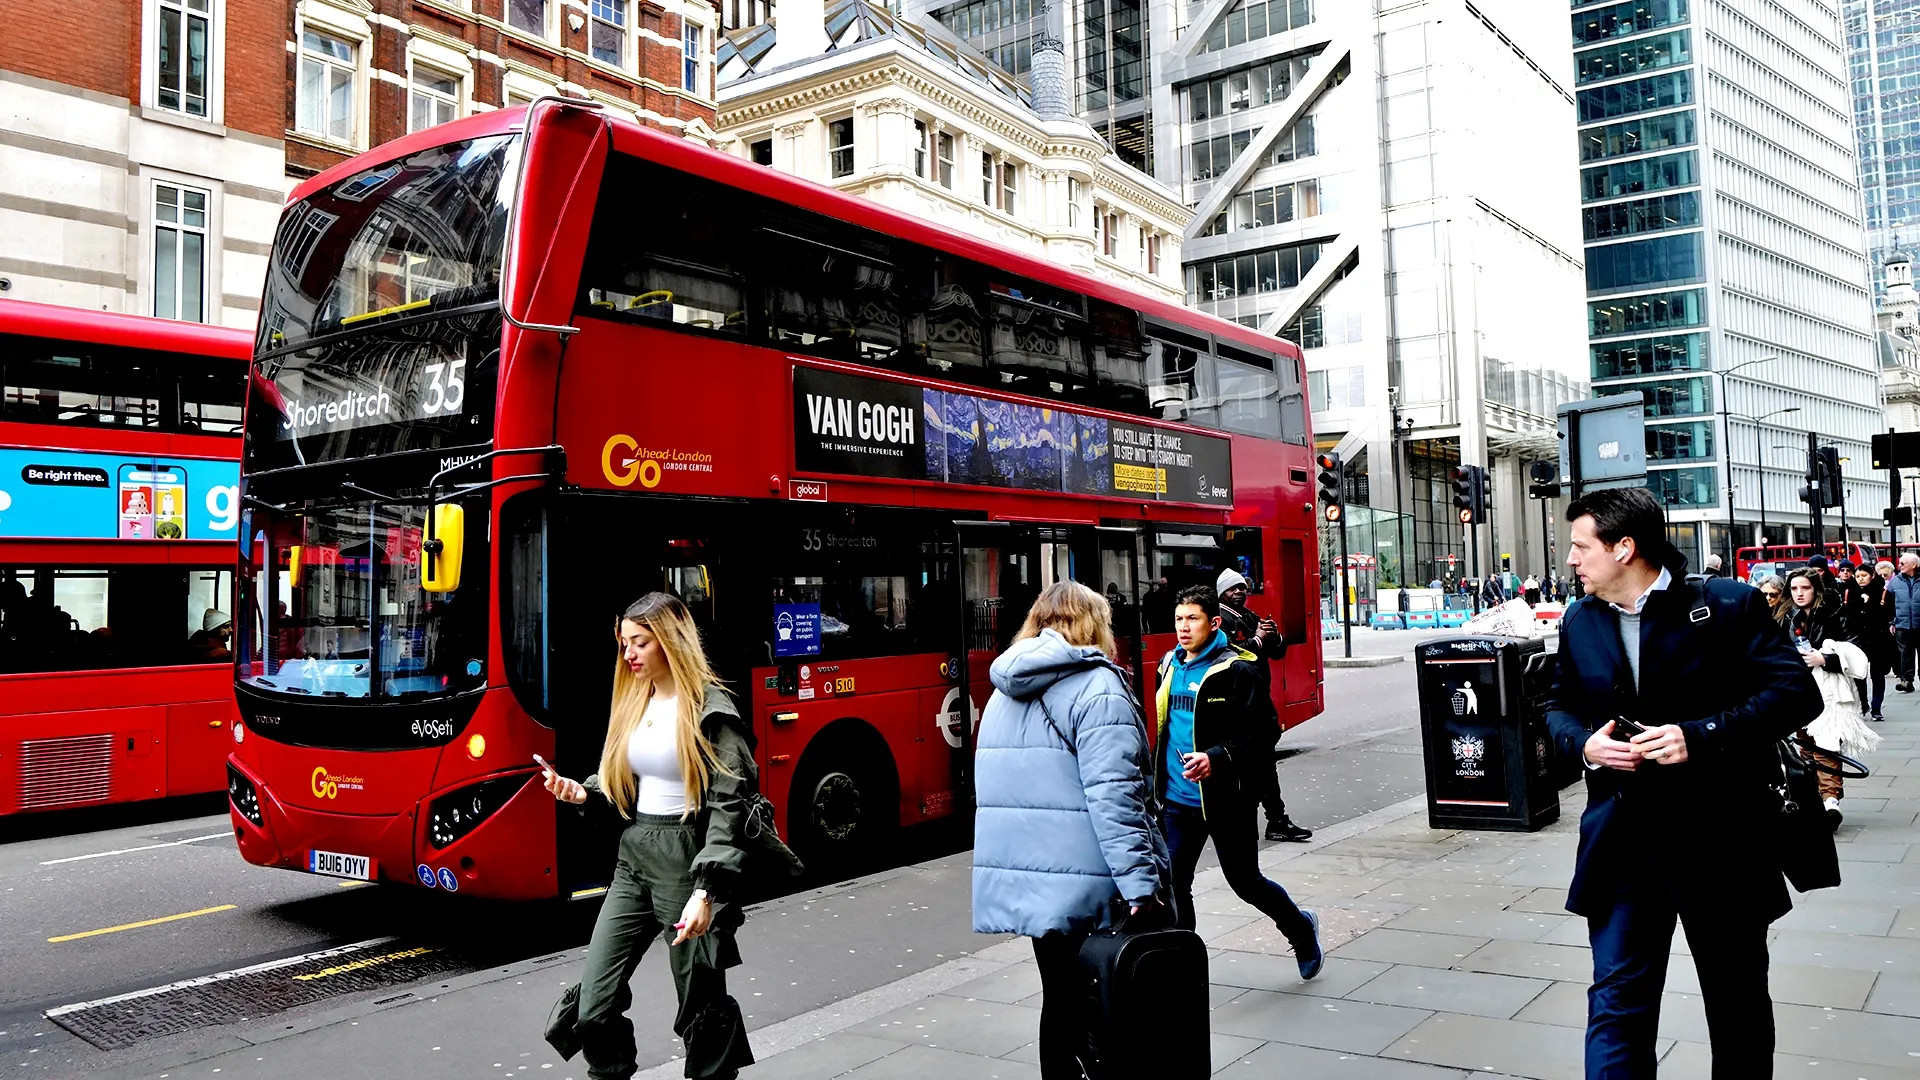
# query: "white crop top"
{"points": [[653, 752]]}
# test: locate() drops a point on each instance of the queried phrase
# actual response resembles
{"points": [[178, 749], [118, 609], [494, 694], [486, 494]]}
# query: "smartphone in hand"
{"points": [[1624, 729], [542, 762]]}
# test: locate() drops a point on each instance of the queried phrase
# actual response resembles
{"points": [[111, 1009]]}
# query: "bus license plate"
{"points": [[334, 864]]}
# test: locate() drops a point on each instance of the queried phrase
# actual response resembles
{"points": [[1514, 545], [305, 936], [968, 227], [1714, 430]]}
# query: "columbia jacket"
{"points": [[1906, 601], [1234, 724], [1060, 832]]}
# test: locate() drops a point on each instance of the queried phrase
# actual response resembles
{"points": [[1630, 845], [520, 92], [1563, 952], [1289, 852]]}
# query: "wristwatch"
{"points": [[702, 894]]}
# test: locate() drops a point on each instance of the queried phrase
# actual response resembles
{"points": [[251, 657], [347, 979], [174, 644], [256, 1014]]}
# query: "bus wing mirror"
{"points": [[440, 561]]}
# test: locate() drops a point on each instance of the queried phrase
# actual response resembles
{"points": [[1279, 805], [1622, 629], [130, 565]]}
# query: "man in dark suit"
{"points": [[1676, 824]]}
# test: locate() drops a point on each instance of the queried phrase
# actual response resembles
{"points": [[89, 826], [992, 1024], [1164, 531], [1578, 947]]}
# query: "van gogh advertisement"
{"points": [[857, 426], [56, 494]]}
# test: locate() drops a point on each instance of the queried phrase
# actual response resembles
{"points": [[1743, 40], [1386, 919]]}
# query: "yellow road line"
{"points": [[354, 884], [138, 925]]}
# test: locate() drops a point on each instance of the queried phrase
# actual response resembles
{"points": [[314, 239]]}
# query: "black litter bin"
{"points": [[1484, 726]]}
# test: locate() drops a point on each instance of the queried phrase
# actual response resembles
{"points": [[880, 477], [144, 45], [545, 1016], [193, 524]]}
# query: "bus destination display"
{"points": [[857, 426]]}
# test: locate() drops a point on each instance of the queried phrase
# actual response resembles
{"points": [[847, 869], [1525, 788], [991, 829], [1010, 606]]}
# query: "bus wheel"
{"points": [[842, 808]]}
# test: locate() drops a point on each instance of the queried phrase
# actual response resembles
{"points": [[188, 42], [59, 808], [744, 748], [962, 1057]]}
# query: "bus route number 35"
{"points": [[446, 391]]}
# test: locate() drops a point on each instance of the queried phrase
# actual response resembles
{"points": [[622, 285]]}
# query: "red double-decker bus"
{"points": [[119, 507], [1781, 558], [516, 371]]}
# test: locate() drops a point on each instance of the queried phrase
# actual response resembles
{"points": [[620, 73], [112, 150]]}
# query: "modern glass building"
{"points": [[1883, 59], [1726, 264]]}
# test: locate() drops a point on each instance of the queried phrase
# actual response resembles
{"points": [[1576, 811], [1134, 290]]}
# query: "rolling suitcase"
{"points": [[1147, 1003]]}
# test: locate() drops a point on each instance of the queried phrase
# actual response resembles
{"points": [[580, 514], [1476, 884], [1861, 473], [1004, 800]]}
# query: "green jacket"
{"points": [[1234, 724], [737, 844]]}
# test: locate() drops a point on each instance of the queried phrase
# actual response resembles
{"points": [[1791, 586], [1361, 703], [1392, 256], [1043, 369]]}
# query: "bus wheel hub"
{"points": [[836, 806]]}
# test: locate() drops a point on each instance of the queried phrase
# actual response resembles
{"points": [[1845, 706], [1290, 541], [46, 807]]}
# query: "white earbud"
{"points": [[1621, 554]]}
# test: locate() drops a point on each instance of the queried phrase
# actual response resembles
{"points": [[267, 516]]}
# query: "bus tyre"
{"points": [[842, 808]]}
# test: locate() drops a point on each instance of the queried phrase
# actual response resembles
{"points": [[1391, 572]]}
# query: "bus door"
{"points": [[998, 571], [1115, 571]]}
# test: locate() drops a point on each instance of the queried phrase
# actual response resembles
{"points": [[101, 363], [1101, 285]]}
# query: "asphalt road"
{"points": [[143, 905]]}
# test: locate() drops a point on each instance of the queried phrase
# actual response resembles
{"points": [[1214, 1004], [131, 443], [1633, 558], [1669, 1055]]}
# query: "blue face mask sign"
{"points": [[796, 630], [56, 494]]}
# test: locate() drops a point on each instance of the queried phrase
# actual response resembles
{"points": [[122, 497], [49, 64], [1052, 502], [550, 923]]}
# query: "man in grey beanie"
{"points": [[1261, 637]]}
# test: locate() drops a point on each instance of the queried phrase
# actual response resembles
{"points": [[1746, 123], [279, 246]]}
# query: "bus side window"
{"points": [[1243, 554]]}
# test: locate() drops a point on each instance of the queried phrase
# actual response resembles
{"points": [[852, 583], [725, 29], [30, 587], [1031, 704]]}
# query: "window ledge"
{"points": [[321, 142], [182, 120]]}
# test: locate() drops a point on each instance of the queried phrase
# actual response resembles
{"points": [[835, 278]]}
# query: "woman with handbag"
{"points": [[678, 767], [1819, 632], [1063, 827]]}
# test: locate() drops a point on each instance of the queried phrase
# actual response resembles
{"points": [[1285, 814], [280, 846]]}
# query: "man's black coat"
{"points": [[1713, 661]]}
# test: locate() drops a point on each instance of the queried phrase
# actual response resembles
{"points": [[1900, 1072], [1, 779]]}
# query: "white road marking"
{"points": [[131, 850], [223, 975]]}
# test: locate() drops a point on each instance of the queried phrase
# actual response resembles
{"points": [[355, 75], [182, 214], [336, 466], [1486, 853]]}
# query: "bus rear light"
{"points": [[476, 746], [453, 816], [244, 798]]}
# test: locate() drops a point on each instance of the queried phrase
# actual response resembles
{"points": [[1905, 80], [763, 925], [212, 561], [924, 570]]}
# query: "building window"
{"points": [[945, 154], [183, 56], [1099, 228], [690, 56], [986, 178], [325, 105], [1257, 19], [435, 99], [1632, 177], [1639, 263], [840, 146], [1637, 136], [608, 43], [762, 150], [1657, 311], [1636, 95], [179, 253], [920, 149], [528, 15], [1073, 202], [1009, 187], [1624, 19], [1112, 245], [1153, 254]]}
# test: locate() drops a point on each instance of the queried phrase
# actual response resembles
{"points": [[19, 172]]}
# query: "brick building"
{"points": [[359, 74], [141, 166]]}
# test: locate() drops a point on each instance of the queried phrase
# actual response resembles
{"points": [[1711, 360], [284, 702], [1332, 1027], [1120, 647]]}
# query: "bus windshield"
{"points": [[424, 232], [381, 328], [334, 608]]}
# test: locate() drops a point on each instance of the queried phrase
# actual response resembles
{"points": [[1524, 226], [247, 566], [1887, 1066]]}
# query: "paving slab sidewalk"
{"points": [[1450, 954]]}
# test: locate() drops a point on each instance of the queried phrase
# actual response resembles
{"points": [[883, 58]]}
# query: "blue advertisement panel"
{"points": [[62, 495], [796, 629]]}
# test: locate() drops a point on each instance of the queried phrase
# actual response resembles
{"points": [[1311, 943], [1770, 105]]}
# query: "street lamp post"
{"points": [[1760, 463], [1726, 443]]}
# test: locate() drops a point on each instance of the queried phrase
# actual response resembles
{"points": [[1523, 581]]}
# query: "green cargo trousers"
{"points": [[651, 885]]}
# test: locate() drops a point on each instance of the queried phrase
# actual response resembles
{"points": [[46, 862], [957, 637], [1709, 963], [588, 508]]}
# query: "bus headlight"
{"points": [[244, 798], [454, 815]]}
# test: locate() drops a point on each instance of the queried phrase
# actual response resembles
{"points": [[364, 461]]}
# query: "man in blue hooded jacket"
{"points": [[1216, 736]]}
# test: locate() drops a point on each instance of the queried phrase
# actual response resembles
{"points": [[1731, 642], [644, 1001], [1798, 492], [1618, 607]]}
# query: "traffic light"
{"points": [[1472, 493], [1832, 492], [1543, 480], [1333, 485]]}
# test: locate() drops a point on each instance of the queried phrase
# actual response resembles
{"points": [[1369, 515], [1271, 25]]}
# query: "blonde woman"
{"points": [[678, 767], [1062, 824]]}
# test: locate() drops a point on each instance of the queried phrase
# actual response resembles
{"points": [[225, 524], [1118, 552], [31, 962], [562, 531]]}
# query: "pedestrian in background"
{"points": [[1774, 588], [1905, 587], [1712, 566], [1259, 636], [678, 767], [1869, 622], [1884, 569], [1530, 591], [1210, 696], [1674, 827], [1818, 633], [1062, 822]]}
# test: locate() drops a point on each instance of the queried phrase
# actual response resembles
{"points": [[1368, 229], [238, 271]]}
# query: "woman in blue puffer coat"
{"points": [[1062, 826]]}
